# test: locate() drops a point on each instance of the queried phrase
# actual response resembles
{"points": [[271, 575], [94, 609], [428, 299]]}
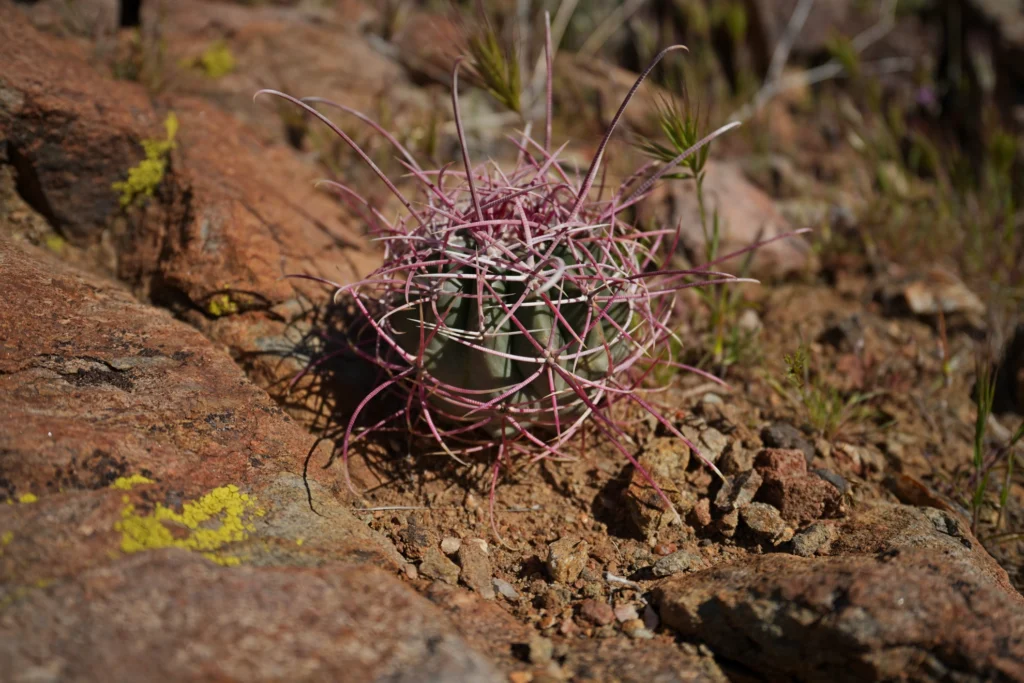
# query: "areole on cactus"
{"points": [[512, 308]]}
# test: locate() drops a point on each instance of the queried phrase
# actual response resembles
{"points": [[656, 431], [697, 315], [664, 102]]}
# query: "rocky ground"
{"points": [[168, 515]]}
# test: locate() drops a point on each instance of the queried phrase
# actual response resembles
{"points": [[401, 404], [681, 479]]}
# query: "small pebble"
{"points": [[476, 567], [437, 566], [736, 459], [728, 523], [749, 321], [520, 677], [815, 539], [677, 562], [836, 480], [626, 613], [505, 589], [664, 549], [766, 523], [417, 538], [555, 598], [635, 629], [737, 492], [450, 545], [597, 612], [785, 435], [566, 559], [700, 515], [541, 650]]}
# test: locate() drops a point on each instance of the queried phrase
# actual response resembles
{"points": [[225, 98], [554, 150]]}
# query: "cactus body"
{"points": [[513, 308]]}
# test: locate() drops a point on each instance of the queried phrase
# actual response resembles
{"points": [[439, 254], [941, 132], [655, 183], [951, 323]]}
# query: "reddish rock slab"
{"points": [[70, 134], [927, 605], [230, 217], [98, 392], [173, 616], [128, 439], [308, 49]]}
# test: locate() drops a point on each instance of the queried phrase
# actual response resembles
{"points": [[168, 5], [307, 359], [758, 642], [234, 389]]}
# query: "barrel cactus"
{"points": [[514, 306]]}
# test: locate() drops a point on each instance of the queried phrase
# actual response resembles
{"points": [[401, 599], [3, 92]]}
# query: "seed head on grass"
{"points": [[496, 67], [512, 307]]}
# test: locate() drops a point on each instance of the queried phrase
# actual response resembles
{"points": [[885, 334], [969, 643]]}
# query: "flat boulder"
{"points": [[147, 487], [906, 593]]}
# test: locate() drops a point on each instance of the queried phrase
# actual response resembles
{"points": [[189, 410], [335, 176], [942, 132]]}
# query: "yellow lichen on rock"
{"points": [[126, 483], [144, 178], [221, 304], [221, 517], [5, 540], [28, 498], [217, 60]]}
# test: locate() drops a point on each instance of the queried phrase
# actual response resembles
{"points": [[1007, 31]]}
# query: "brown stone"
{"points": [[101, 387], [738, 491], [476, 567], [765, 524], [665, 459], [597, 612], [231, 215], [778, 463], [814, 540], [679, 561], [436, 566], [700, 515], [189, 619], [566, 559], [921, 601], [304, 49], [801, 497]]}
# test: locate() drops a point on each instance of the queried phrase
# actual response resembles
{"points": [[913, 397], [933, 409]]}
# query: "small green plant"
{"points": [[144, 178], [828, 410], [842, 50], [732, 16], [681, 129], [1011, 458], [985, 394], [680, 125]]}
